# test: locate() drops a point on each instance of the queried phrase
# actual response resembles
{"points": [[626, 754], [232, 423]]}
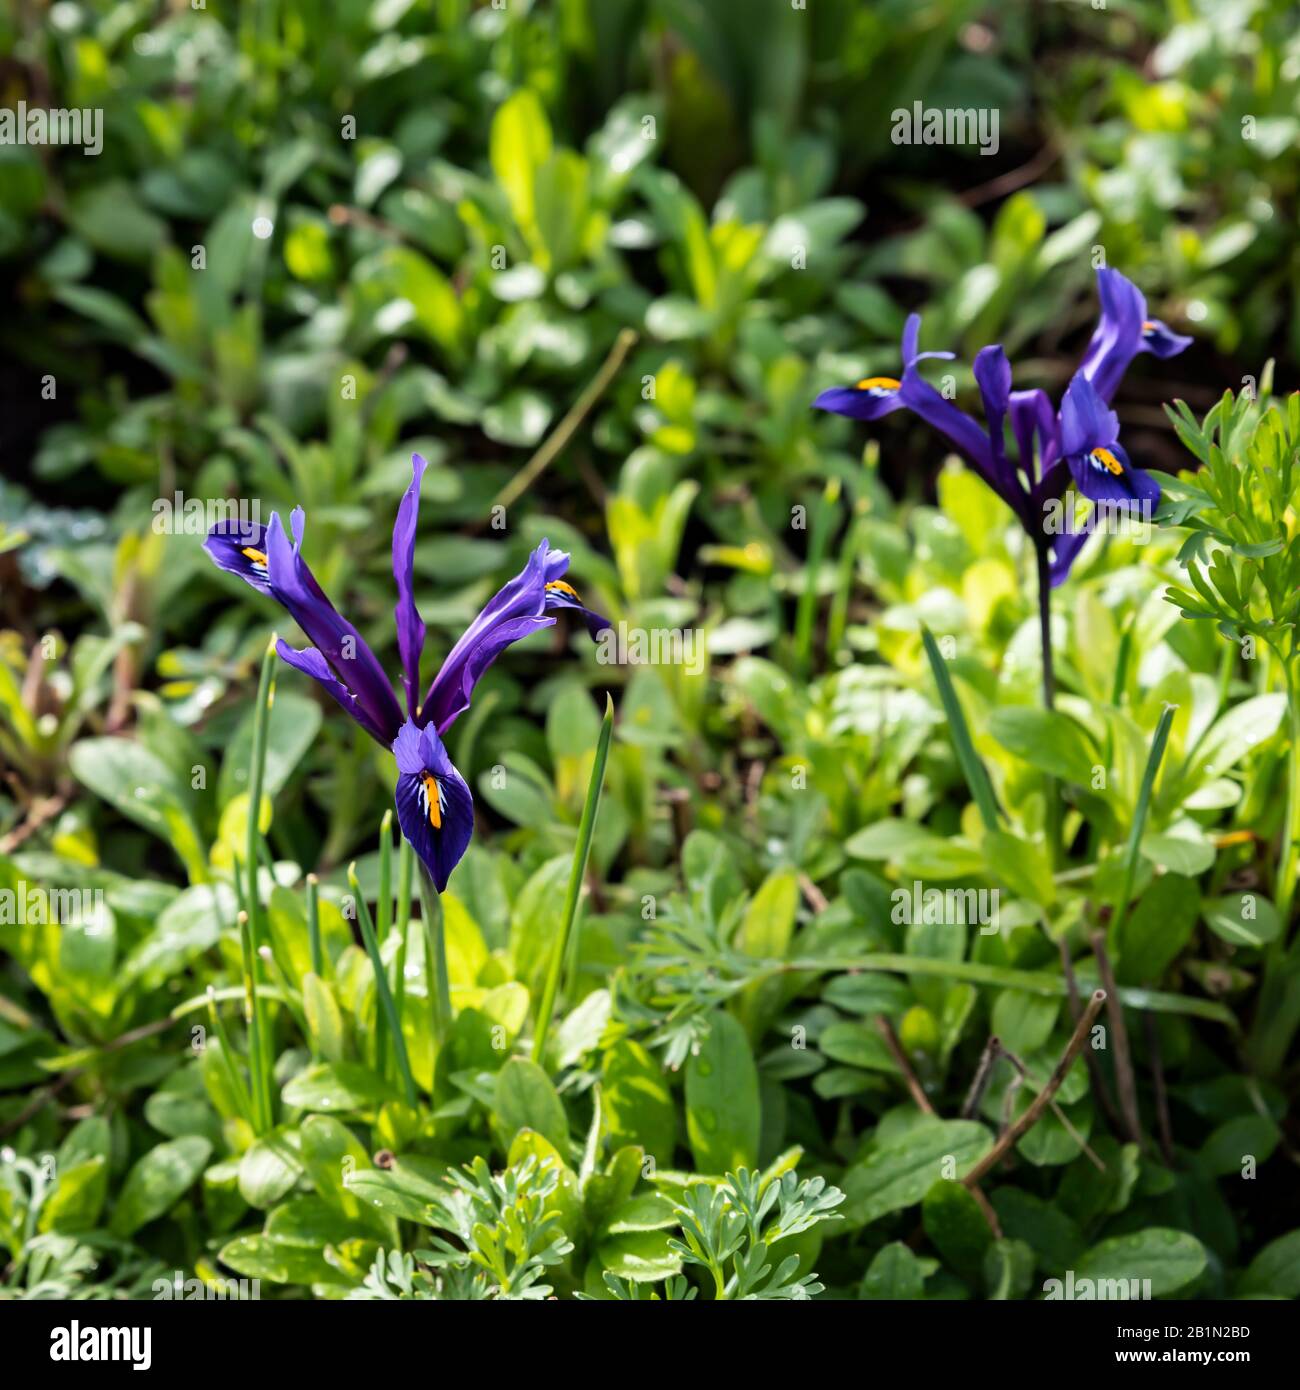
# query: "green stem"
{"points": [[402, 918], [1051, 792], [823, 511], [262, 1060], [1154, 759], [387, 1007], [313, 926], [1290, 849], [237, 1087], [435, 960], [586, 827], [383, 918], [253, 1023]]}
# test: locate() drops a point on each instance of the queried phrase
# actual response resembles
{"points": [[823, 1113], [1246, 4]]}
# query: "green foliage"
{"points": [[594, 260]]}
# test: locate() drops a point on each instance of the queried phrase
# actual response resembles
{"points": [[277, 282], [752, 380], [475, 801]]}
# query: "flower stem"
{"points": [[1277, 1014], [259, 1031], [1051, 792], [386, 1008], [313, 927], [402, 920], [1287, 865], [586, 826], [435, 959]]}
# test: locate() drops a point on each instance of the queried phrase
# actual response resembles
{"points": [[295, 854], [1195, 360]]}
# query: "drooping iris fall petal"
{"points": [[239, 547], [434, 806]]}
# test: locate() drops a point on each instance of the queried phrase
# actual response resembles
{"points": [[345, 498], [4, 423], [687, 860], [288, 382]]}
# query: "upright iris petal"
{"points": [[1033, 419], [434, 807], [1118, 335], [517, 609], [344, 650], [410, 629]]}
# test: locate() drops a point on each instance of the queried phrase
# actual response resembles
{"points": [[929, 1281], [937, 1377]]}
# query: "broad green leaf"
{"points": [[157, 1181], [956, 1227], [768, 923], [1276, 1269], [894, 1273], [1243, 919], [1047, 740], [525, 1098], [899, 1172], [76, 1202], [270, 1168], [1157, 929], [636, 1102], [1171, 1260], [722, 1099], [143, 788], [338, 1087], [324, 1018]]}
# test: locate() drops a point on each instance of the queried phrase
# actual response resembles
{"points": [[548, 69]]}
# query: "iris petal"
{"points": [[343, 648], [239, 547], [311, 663], [858, 404], [562, 595], [410, 629], [1117, 338], [517, 609], [434, 806], [1086, 423], [1161, 341]]}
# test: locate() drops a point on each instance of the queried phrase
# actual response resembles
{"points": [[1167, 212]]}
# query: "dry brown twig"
{"points": [[917, 1092], [1014, 1132]]}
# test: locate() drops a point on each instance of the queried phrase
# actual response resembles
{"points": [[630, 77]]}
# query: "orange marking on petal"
{"points": [[256, 556], [1108, 461], [563, 588], [431, 795], [878, 383]]}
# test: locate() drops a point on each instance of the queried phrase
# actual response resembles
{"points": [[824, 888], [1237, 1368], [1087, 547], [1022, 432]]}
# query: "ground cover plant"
{"points": [[622, 678]]}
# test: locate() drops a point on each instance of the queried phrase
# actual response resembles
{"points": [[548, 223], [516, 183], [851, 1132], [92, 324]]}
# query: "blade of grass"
{"points": [[252, 963], [253, 1022], [402, 918], [237, 1086], [435, 960], [1154, 758], [586, 826], [313, 926], [824, 513], [383, 917], [838, 620], [1001, 977], [386, 1005], [976, 774]]}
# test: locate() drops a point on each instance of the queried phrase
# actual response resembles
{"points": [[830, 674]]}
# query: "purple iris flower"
{"points": [[1078, 444], [434, 807]]}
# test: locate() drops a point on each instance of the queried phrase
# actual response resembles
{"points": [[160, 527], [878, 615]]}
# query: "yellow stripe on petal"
{"points": [[561, 587], [1103, 458], [433, 798], [879, 384]]}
